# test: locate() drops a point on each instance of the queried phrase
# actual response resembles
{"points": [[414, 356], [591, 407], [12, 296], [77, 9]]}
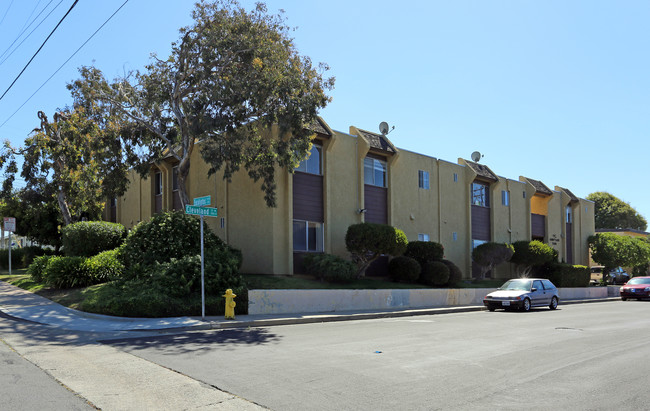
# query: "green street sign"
{"points": [[206, 211], [202, 201]]}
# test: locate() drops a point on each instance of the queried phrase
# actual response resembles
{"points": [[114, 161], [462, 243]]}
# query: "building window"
{"points": [[505, 198], [524, 194], [175, 178], [569, 214], [454, 236], [157, 183], [423, 179], [312, 164], [455, 177], [374, 172], [113, 202], [423, 237], [480, 195], [476, 243], [307, 236]]}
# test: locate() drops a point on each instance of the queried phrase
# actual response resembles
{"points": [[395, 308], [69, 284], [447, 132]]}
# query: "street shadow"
{"points": [[197, 341]]}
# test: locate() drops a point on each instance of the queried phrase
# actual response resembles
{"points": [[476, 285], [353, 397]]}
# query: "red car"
{"points": [[637, 287]]}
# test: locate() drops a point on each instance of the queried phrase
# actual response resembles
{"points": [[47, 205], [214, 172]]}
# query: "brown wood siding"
{"points": [[308, 197], [376, 204], [538, 225], [176, 203], [569, 243], [157, 203], [480, 223]]}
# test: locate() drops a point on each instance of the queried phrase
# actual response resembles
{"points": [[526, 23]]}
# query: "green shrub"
{"points": [[488, 255], [455, 274], [166, 236], [31, 252], [17, 255], [404, 268], [144, 299], [565, 275], [102, 267], [529, 254], [368, 241], [423, 251], [435, 273], [88, 238], [330, 268], [37, 268], [64, 272]]}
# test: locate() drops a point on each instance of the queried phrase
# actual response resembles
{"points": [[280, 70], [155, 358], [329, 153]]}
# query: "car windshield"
{"points": [[521, 285], [639, 281]]}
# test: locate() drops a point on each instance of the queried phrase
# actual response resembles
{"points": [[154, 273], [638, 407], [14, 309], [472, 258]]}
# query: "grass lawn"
{"points": [[72, 297]]}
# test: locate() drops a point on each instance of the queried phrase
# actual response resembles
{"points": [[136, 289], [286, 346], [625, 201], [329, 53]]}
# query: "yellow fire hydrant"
{"points": [[230, 304]]}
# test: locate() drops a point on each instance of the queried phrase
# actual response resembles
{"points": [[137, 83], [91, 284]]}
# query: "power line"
{"points": [[7, 11], [64, 63], [30, 33], [39, 49]]}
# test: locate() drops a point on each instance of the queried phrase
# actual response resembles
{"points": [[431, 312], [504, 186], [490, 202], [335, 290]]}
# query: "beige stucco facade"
{"points": [[442, 211]]}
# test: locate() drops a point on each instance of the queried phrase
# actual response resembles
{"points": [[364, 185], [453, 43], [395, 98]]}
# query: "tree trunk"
{"points": [[63, 206], [183, 171]]}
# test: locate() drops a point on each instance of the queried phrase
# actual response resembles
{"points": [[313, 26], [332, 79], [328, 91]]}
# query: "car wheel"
{"points": [[526, 305], [553, 304], [623, 298], [491, 308]]}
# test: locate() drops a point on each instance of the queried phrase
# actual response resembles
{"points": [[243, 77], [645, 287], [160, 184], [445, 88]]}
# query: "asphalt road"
{"points": [[584, 356]]}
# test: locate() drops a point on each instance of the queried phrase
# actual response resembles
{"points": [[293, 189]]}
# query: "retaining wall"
{"points": [[316, 301]]}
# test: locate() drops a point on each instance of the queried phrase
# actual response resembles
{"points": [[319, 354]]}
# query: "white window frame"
{"points": [[303, 167], [373, 164], [320, 242], [423, 237], [505, 198], [158, 183], [423, 179]]}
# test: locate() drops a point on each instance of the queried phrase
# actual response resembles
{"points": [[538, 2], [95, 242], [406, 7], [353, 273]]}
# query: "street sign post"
{"points": [[9, 225], [202, 211], [199, 209]]}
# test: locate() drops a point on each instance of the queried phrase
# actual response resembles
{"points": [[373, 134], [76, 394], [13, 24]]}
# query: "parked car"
{"points": [[637, 287], [522, 294], [615, 276]]}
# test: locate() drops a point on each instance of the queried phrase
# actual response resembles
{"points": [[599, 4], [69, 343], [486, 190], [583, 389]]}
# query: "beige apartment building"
{"points": [[361, 176]]}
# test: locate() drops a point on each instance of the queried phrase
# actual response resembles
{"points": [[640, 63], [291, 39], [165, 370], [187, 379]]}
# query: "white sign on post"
{"points": [[10, 224]]}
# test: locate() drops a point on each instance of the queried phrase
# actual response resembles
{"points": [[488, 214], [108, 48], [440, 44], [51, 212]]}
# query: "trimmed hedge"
{"points": [[22, 257], [166, 236], [65, 272], [404, 268], [435, 273], [88, 238], [566, 275], [102, 267], [423, 251], [330, 268], [455, 274]]}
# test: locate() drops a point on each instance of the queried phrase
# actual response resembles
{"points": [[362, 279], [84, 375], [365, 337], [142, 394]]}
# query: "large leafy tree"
{"points": [[611, 251], [230, 77], [37, 215], [612, 212], [78, 158]]}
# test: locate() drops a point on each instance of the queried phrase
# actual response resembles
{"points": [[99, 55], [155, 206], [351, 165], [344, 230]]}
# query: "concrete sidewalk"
{"points": [[24, 305]]}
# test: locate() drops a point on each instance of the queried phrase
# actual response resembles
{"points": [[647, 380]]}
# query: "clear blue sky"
{"points": [[558, 91]]}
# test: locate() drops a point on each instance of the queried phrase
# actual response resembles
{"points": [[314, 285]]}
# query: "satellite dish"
{"points": [[476, 156], [383, 128]]}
